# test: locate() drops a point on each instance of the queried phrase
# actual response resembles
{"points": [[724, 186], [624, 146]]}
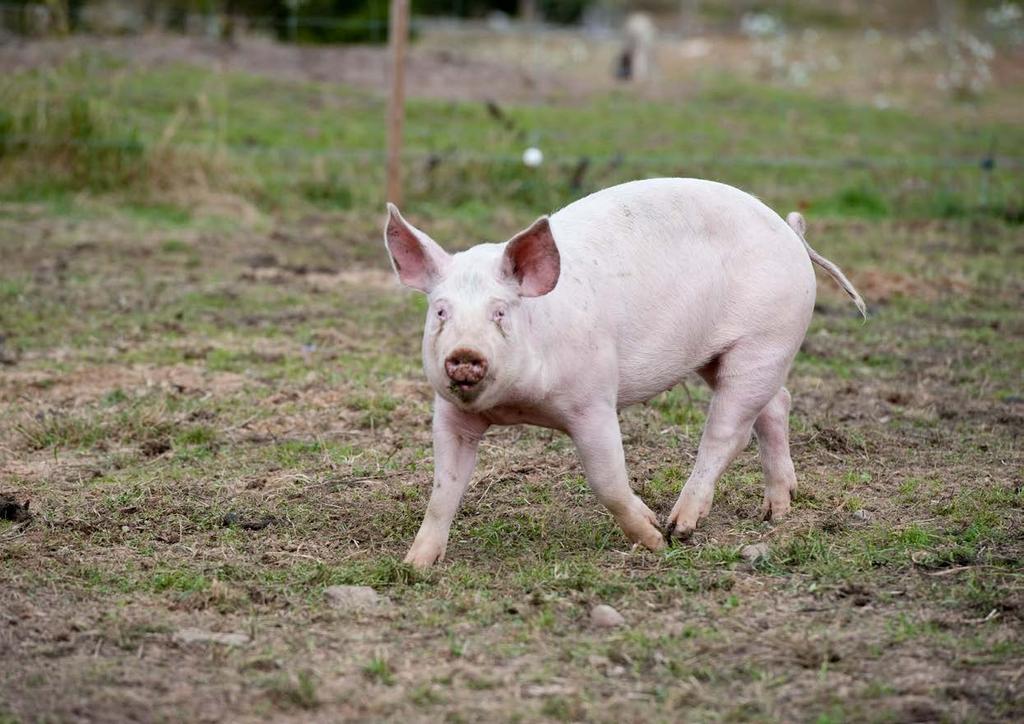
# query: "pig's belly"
{"points": [[644, 378], [676, 330]]}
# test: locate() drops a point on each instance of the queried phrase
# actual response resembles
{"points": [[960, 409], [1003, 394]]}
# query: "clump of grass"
{"points": [[376, 409], [562, 709], [57, 430], [385, 571], [80, 140], [143, 422], [60, 133], [178, 580], [861, 200], [681, 406], [327, 190], [174, 246], [295, 693], [379, 671]]}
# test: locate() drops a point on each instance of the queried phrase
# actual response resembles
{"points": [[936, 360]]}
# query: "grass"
{"points": [[217, 412], [379, 671], [161, 128]]}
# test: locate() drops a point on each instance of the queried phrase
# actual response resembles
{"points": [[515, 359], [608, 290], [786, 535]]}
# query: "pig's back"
{"points": [[673, 271]]}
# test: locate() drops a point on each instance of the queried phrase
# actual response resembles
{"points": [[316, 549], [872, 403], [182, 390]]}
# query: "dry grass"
{"points": [[215, 407], [218, 457]]}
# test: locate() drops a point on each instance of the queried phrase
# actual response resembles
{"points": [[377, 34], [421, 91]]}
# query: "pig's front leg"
{"points": [[456, 437], [598, 441]]}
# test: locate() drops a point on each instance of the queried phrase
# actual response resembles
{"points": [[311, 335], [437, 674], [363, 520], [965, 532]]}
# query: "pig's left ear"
{"points": [[532, 259], [418, 260]]}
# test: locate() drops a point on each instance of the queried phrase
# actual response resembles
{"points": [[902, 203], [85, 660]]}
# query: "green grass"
{"points": [[167, 123], [294, 692], [379, 671]]}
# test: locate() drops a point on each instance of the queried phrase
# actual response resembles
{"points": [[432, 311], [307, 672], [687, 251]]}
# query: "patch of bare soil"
{"points": [[89, 384], [882, 285]]}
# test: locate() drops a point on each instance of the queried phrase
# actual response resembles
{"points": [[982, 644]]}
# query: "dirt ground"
{"points": [[211, 424], [205, 446]]}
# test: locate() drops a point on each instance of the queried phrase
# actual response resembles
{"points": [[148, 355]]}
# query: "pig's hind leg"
{"points": [[745, 380], [772, 430]]}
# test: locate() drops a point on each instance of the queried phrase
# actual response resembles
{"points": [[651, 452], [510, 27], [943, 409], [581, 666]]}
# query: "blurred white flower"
{"points": [[533, 157], [760, 25], [968, 73], [1005, 15]]}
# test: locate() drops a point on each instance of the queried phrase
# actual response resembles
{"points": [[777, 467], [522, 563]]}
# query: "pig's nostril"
{"points": [[465, 367]]}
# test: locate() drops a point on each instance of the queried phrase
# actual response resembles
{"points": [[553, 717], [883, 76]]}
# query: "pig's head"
{"points": [[475, 341]]}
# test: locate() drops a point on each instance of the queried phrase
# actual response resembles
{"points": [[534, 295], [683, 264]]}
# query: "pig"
{"points": [[605, 304]]}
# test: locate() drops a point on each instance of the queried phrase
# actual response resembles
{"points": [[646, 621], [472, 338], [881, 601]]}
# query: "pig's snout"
{"points": [[465, 367]]}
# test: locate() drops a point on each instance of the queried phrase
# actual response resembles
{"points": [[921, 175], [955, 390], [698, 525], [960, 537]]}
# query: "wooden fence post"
{"points": [[398, 34]]}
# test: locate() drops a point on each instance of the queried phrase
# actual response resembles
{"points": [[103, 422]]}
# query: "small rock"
{"points": [[605, 616], [199, 636], [754, 552], [354, 598], [862, 515]]}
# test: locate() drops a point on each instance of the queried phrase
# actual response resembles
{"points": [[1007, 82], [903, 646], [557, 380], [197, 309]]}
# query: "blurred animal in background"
{"points": [[636, 60]]}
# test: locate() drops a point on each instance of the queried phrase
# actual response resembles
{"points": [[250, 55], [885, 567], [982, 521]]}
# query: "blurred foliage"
{"points": [[303, 21], [366, 21]]}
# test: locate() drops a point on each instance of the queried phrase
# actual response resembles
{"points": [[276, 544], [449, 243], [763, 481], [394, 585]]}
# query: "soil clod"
{"points": [[12, 510], [200, 636], [754, 552], [355, 598]]}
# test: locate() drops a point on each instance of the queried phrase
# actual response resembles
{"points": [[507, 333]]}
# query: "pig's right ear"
{"points": [[418, 260]]}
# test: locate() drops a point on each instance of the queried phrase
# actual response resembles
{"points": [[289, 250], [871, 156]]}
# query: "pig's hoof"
{"points": [[683, 519], [423, 556], [676, 530], [681, 533], [655, 541], [776, 507], [640, 525]]}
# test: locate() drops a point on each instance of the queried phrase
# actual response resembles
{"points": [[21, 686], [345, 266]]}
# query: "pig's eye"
{"points": [[498, 314], [442, 314]]}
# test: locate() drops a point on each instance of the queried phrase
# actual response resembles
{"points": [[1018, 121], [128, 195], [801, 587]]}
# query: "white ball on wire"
{"points": [[533, 157]]}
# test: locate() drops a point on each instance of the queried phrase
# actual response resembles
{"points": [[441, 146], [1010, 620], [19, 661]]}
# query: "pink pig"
{"points": [[607, 303]]}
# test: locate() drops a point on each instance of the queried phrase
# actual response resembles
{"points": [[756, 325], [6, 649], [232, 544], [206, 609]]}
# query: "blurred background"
{"points": [[848, 108]]}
